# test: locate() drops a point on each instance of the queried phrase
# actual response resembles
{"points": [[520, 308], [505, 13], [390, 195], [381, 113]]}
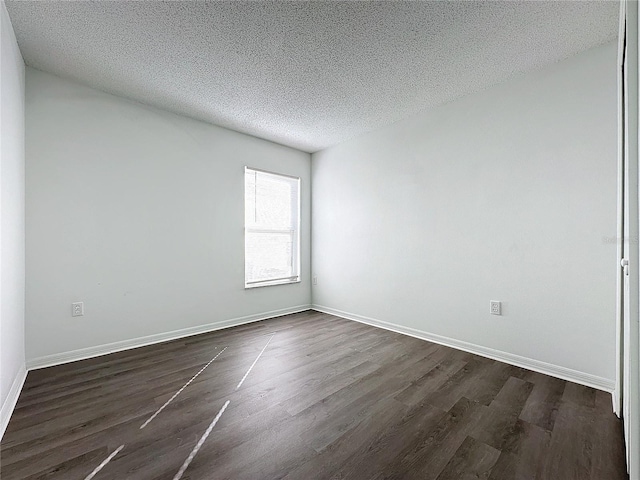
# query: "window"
{"points": [[272, 235]]}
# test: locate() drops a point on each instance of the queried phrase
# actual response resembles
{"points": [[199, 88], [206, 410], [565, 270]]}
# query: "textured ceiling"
{"points": [[304, 74]]}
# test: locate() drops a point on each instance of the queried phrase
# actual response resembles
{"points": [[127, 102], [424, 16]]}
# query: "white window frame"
{"points": [[295, 250]]}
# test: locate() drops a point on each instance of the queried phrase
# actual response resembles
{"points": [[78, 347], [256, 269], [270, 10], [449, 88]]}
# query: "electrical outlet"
{"points": [[315, 279], [495, 307], [77, 309]]}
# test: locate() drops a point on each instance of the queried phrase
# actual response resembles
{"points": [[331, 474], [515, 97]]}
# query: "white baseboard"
{"points": [[90, 352], [564, 373], [12, 398], [615, 400]]}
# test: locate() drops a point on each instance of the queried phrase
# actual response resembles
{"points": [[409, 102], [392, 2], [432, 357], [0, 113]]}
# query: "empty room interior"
{"points": [[319, 240]]}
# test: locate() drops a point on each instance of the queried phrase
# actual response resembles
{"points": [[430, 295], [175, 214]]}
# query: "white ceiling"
{"points": [[304, 74]]}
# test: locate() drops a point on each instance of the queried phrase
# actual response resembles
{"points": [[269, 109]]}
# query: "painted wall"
{"points": [[12, 342], [139, 214], [508, 194]]}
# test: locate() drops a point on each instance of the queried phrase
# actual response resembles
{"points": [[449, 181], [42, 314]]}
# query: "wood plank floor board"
{"points": [[327, 386], [524, 459], [270, 453], [327, 399], [542, 405], [247, 402], [355, 443], [514, 394], [53, 438], [159, 452], [433, 445], [72, 467], [499, 425], [390, 444], [473, 460], [29, 459], [572, 438], [468, 378], [81, 407], [608, 453], [48, 465], [158, 374], [574, 434], [417, 390], [355, 400]]}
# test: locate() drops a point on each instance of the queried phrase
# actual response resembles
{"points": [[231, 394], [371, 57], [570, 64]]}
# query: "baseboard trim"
{"points": [[557, 371], [90, 352], [12, 398], [615, 401]]}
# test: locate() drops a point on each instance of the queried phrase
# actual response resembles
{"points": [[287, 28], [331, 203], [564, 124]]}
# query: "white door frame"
{"points": [[617, 393], [626, 399]]}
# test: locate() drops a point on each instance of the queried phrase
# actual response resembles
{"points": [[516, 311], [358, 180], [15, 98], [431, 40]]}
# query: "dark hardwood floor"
{"points": [[327, 399]]}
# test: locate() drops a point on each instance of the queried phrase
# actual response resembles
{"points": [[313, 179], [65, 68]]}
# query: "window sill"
{"points": [[271, 283]]}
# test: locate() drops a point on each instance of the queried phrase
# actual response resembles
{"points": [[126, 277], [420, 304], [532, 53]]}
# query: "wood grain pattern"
{"points": [[328, 399]]}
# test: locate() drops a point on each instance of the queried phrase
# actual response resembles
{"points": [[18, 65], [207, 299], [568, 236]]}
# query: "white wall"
{"points": [[12, 354], [138, 213], [505, 195]]}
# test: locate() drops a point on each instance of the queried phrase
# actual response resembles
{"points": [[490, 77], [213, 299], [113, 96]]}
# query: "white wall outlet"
{"points": [[77, 309], [495, 307], [315, 279]]}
